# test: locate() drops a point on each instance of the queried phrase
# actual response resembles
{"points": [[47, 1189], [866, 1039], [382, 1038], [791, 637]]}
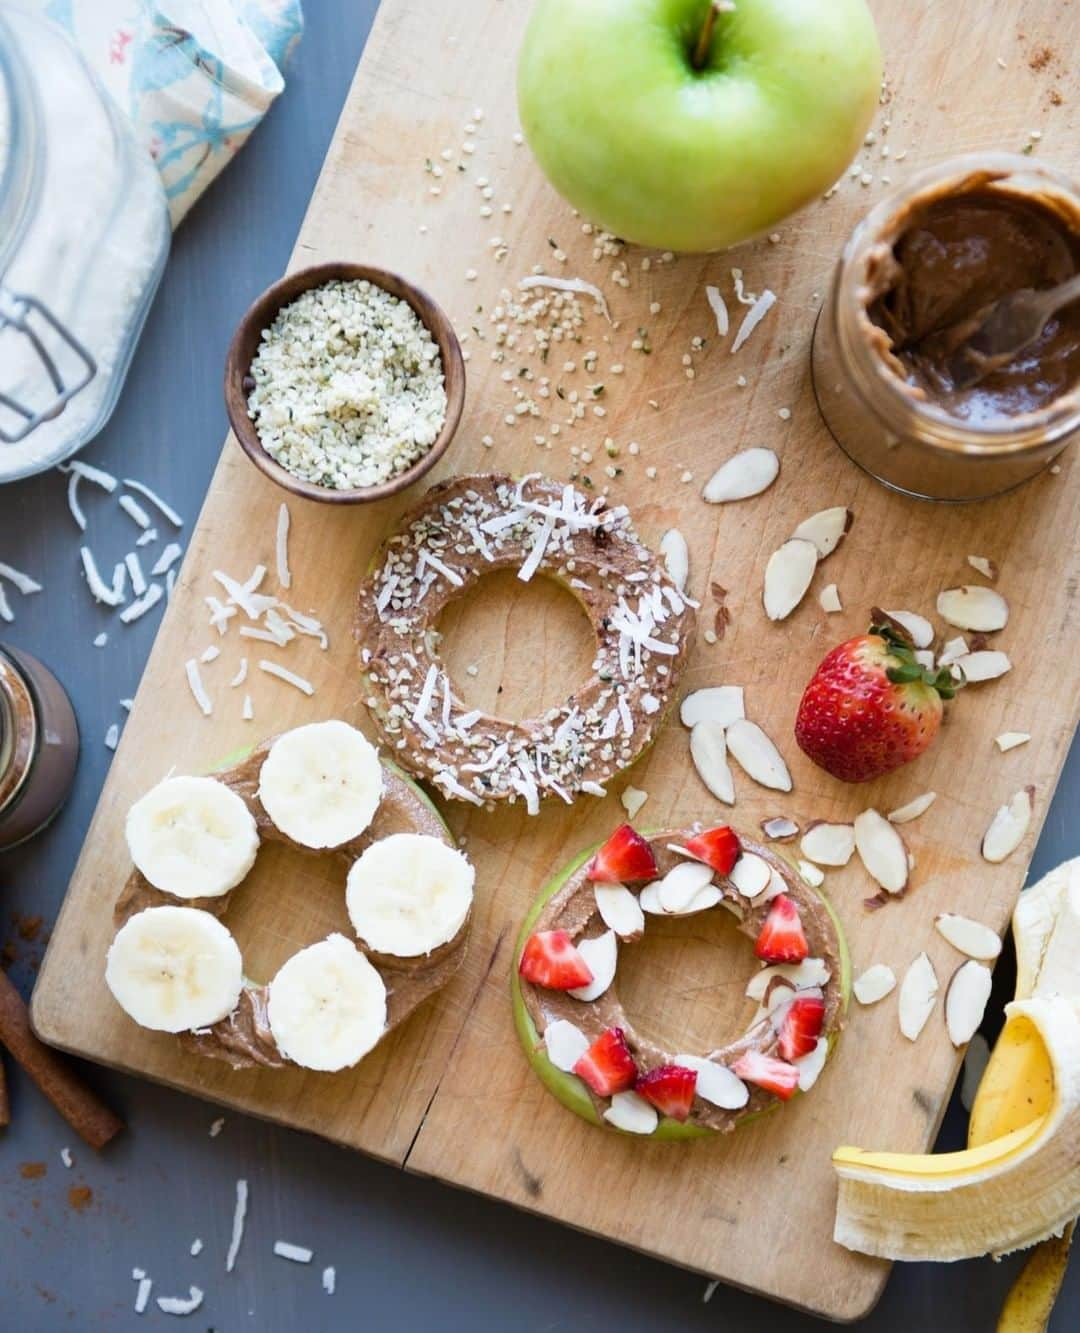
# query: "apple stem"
{"points": [[705, 36]]}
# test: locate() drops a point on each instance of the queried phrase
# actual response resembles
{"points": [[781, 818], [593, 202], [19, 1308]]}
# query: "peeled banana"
{"points": [[1019, 1180]]}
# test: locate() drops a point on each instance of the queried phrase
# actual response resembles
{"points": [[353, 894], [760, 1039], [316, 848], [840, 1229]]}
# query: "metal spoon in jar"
{"points": [[1005, 329]]}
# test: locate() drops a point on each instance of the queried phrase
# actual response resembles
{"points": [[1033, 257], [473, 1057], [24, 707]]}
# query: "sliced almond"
{"points": [[810, 972], [775, 889], [649, 900], [787, 577], [881, 850], [965, 1001], [985, 566], [565, 1044], [1008, 826], [630, 1112], [953, 650], [715, 1082], [705, 898], [829, 599], [825, 529], [676, 555], [973, 607], [779, 828], [746, 473], [757, 756], [828, 844], [708, 750], [620, 910], [633, 798], [750, 875], [813, 876], [918, 995], [1009, 740], [601, 956], [920, 629], [924, 657], [682, 883], [985, 665], [970, 937], [874, 984], [976, 1058], [811, 1064], [779, 998], [716, 703], [917, 806]]}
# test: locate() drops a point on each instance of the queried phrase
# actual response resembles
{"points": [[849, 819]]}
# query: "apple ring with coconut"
{"points": [[465, 528], [576, 1032], [174, 966]]}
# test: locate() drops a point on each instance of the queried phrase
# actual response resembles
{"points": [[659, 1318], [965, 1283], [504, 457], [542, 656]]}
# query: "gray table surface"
{"points": [[409, 1252]]}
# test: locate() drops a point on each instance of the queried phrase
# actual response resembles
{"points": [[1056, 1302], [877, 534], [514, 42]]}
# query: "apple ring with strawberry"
{"points": [[576, 1032]]}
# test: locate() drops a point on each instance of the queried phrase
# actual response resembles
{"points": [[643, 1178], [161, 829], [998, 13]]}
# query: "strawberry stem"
{"points": [[902, 647]]}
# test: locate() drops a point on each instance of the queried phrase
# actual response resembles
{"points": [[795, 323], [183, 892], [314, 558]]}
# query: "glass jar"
{"points": [[39, 746], [84, 234], [899, 436]]}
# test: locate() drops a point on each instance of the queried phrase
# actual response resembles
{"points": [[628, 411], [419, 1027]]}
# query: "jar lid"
{"points": [[18, 731]]}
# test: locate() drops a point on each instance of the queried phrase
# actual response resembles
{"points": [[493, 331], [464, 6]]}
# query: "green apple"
{"points": [[568, 1088], [690, 125]]}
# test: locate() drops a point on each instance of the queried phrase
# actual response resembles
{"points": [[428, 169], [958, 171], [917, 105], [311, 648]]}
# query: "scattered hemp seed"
{"points": [[784, 414], [709, 636], [633, 447], [774, 238], [650, 472], [519, 139], [654, 307], [741, 382], [470, 275], [687, 476]]}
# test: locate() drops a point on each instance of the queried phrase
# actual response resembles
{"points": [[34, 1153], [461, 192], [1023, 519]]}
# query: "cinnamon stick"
{"points": [[89, 1117]]}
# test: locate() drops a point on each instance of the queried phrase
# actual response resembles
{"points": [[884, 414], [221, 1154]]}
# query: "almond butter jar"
{"points": [[910, 284], [39, 746]]}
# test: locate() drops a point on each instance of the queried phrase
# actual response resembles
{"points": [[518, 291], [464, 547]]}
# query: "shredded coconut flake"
{"points": [[719, 308], [299, 1254], [290, 677], [753, 317], [134, 510], [216, 1126], [155, 499], [196, 686], [282, 548], [247, 713], [329, 1279], [142, 1295], [196, 1247], [241, 674], [167, 558], [210, 654], [66, 1158], [112, 737], [6, 612], [99, 590], [239, 1212], [97, 475], [180, 1304], [135, 569], [578, 285], [139, 608], [147, 537]]}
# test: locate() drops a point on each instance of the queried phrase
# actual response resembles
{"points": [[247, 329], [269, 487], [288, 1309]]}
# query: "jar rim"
{"points": [[16, 702], [902, 410]]}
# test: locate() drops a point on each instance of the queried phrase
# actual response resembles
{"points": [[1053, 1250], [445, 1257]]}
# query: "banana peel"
{"points": [[1030, 1301], [1018, 1182]]}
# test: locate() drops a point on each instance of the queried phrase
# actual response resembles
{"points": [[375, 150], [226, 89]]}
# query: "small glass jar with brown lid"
{"points": [[39, 746], [915, 278]]}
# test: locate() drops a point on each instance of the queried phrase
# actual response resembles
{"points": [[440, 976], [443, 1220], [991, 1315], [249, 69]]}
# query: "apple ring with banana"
{"points": [[576, 1032], [470, 526], [174, 966]]}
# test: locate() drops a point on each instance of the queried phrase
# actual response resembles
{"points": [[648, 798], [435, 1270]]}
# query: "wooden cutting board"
{"points": [[451, 1095]]}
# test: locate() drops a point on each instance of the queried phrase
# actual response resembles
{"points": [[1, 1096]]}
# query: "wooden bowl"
{"points": [[261, 315]]}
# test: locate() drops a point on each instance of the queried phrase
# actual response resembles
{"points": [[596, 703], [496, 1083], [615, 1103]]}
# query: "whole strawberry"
{"points": [[870, 706]]}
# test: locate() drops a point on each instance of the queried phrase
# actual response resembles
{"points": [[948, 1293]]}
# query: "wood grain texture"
{"points": [[450, 1095]]}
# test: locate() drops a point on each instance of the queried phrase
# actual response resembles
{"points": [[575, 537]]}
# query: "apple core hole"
{"points": [[682, 983], [495, 626], [268, 936]]}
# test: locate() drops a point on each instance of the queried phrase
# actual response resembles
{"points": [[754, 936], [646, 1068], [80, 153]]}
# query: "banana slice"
{"points": [[192, 837], [321, 784], [408, 894], [174, 968], [327, 1006]]}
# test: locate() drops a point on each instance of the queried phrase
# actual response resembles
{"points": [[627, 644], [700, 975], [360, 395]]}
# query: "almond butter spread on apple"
{"points": [[567, 978]]}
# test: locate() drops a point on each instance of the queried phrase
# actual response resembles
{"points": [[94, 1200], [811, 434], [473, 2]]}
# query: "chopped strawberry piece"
{"points": [[717, 847], [625, 856], [607, 1066], [549, 959], [670, 1088], [767, 1072], [782, 939], [801, 1026]]}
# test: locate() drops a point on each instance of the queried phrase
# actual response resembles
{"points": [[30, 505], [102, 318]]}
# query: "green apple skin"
{"points": [[568, 1088], [668, 156]]}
